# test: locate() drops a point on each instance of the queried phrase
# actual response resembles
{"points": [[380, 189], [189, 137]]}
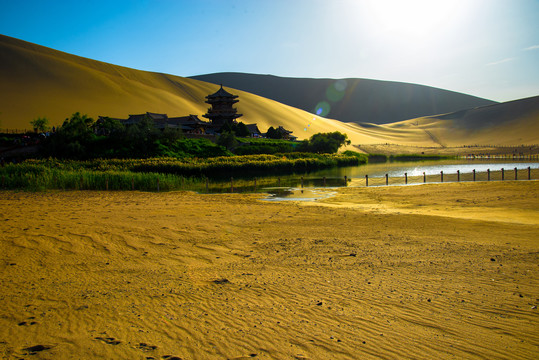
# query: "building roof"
{"points": [[221, 93], [253, 129], [186, 120]]}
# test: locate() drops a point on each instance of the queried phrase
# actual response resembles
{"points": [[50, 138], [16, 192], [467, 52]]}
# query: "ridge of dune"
{"points": [[351, 99]]}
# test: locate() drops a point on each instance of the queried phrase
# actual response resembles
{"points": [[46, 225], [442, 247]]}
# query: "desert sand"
{"points": [[425, 272]]}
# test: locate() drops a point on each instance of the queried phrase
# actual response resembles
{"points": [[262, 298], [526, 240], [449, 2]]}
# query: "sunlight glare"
{"points": [[417, 21]]}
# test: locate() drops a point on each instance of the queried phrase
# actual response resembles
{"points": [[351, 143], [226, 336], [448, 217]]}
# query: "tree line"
{"points": [[80, 137]]}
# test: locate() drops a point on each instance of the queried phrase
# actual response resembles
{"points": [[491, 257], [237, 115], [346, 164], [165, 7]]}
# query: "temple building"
{"points": [[222, 110]]}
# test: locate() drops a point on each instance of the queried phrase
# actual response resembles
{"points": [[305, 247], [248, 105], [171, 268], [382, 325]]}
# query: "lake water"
{"points": [[416, 168], [313, 187]]}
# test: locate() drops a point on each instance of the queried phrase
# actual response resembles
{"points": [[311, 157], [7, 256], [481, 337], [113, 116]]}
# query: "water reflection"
{"points": [[298, 194]]}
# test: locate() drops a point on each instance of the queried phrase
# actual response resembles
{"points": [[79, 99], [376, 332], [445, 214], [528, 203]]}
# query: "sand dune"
{"points": [[369, 274], [351, 100], [510, 123], [39, 81]]}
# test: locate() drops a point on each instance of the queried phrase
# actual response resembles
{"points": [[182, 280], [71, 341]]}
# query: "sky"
{"points": [[486, 48]]}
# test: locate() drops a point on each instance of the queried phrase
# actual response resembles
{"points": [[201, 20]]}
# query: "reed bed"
{"points": [[160, 174]]}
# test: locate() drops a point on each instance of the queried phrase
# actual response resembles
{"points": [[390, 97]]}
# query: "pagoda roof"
{"points": [[221, 93]]}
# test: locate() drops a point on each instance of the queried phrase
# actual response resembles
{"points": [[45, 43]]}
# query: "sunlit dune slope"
{"points": [[510, 123], [38, 81], [351, 100]]}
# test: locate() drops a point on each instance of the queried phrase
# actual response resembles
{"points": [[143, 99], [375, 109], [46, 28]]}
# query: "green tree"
{"points": [[227, 139], [171, 135], [73, 139], [141, 138], [274, 133], [41, 124], [108, 126], [325, 142], [241, 130]]}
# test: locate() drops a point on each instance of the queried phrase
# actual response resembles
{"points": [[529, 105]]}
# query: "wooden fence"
{"points": [[441, 177]]}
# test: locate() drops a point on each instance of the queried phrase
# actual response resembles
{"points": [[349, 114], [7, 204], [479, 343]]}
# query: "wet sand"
{"points": [[423, 272]]}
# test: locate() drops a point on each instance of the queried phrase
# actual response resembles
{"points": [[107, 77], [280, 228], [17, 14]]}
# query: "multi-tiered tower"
{"points": [[221, 111]]}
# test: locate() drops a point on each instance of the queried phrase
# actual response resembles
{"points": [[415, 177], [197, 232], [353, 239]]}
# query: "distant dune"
{"points": [[351, 100], [39, 81], [510, 123]]}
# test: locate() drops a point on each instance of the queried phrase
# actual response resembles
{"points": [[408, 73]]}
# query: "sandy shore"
{"points": [[419, 272]]}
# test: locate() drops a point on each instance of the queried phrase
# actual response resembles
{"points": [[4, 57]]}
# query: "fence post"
{"points": [[279, 182], [345, 180], [366, 180], [387, 179], [529, 173], [406, 178], [516, 174], [502, 175], [458, 175], [231, 184], [302, 182], [424, 177], [473, 174], [442, 176], [488, 174], [157, 184]]}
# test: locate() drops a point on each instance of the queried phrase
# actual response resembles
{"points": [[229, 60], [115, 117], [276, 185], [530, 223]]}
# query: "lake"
{"points": [[313, 184]]}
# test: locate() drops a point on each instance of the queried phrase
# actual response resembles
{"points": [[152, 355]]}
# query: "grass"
{"points": [[170, 173]]}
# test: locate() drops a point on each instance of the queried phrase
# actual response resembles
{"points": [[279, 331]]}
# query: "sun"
{"points": [[416, 20]]}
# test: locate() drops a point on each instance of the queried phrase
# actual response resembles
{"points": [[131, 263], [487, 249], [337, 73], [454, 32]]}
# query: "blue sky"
{"points": [[487, 48]]}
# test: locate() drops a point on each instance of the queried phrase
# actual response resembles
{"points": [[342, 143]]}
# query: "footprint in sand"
{"points": [[33, 350], [109, 340], [146, 347]]}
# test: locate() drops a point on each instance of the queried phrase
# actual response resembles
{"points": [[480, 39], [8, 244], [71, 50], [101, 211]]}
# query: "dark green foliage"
{"points": [[92, 174], [110, 127], [171, 135], [40, 124], [274, 133], [73, 140], [363, 157], [81, 138], [377, 158], [239, 129], [325, 143], [187, 148], [227, 139], [253, 146]]}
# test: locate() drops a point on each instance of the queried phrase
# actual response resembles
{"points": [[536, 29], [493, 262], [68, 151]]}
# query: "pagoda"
{"points": [[221, 111]]}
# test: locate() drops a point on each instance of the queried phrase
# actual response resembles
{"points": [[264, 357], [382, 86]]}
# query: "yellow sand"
{"points": [[419, 272]]}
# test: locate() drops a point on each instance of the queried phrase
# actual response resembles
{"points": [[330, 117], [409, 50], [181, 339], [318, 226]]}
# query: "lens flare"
{"points": [[336, 91], [322, 108]]}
